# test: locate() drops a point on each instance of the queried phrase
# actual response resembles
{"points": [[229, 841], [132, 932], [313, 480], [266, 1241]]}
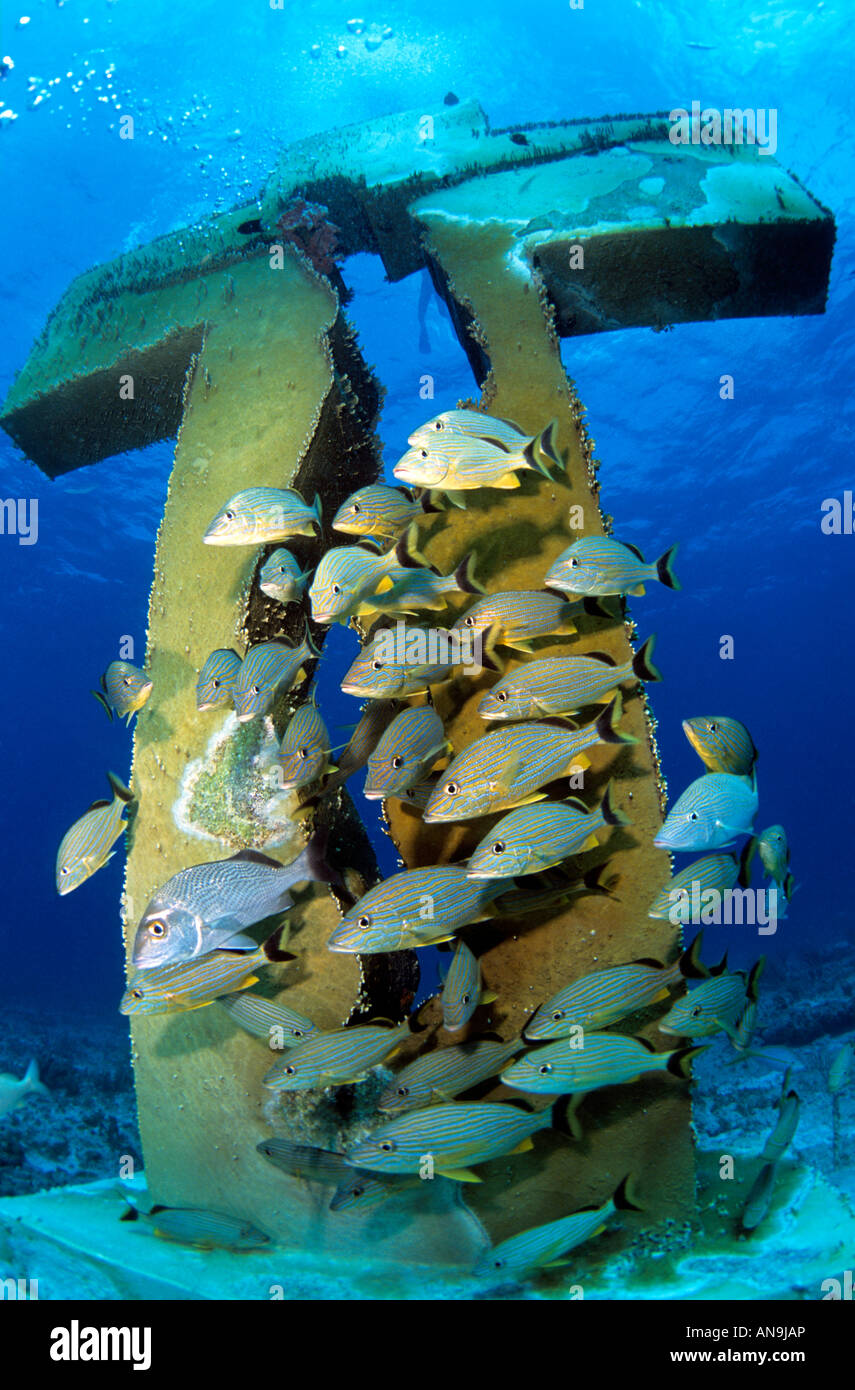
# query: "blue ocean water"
{"points": [[739, 483]]}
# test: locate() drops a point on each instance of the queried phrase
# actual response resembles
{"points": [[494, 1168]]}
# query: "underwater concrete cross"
{"points": [[244, 354]]}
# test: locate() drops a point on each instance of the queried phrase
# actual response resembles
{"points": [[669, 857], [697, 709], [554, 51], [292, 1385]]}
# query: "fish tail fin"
{"points": [[271, 948], [690, 963], [429, 502], [605, 725], [546, 444], [601, 608], [593, 881], [749, 849], [624, 1196], [563, 1116], [680, 1062], [533, 461], [665, 569], [312, 860], [489, 657], [132, 1213], [753, 979], [464, 576], [790, 886], [609, 812], [119, 789], [407, 556], [316, 508], [642, 662], [101, 701], [309, 643], [32, 1080]]}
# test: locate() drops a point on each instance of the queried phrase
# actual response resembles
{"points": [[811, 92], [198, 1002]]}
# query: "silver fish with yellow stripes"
{"points": [[445, 1073], [508, 766], [348, 576], [355, 1188], [124, 689], [373, 677], [380, 512], [479, 425], [577, 1066], [537, 837], [599, 566], [462, 990], [514, 617], [710, 814], [452, 1138], [457, 463], [416, 908], [269, 669], [200, 1229], [607, 996], [278, 1025], [260, 515], [304, 753], [178, 988], [681, 898], [547, 1246], [562, 685], [375, 719], [722, 744], [217, 679], [413, 742], [774, 851], [424, 588], [336, 1058], [87, 846], [282, 578], [717, 1001], [361, 1189]]}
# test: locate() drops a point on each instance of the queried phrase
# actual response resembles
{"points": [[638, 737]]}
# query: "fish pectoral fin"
{"points": [[638, 590], [488, 996], [591, 843], [580, 763], [245, 983], [524, 1145], [459, 1174], [519, 646], [663, 994], [507, 480], [558, 1264], [384, 585], [457, 499]]}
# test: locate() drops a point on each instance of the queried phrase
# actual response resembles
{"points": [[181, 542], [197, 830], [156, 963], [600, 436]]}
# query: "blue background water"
{"points": [[740, 483]]}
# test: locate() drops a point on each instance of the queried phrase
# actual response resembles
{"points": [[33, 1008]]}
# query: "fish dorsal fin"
{"points": [[601, 656], [648, 1046], [648, 960], [635, 550], [97, 805], [496, 443], [254, 856]]}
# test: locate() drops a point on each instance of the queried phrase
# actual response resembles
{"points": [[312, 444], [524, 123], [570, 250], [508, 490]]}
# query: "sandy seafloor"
{"points": [[88, 1125]]}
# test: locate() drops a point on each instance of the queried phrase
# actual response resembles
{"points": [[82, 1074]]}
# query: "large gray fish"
{"points": [[268, 669], [206, 908], [203, 1230], [452, 1139], [124, 689], [788, 1118], [87, 846], [545, 1247], [258, 515], [217, 679], [562, 685], [711, 813], [445, 1073], [509, 765]]}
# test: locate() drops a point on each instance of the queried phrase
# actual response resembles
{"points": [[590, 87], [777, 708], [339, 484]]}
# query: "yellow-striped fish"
{"points": [[462, 990], [479, 425], [416, 908], [355, 1188], [407, 751], [259, 515], [203, 1230], [452, 1139], [380, 512], [508, 766], [600, 566], [336, 1058], [373, 677], [304, 754], [607, 996], [277, 1024], [267, 670], [710, 814], [717, 1001], [458, 462], [547, 1246], [282, 578], [722, 744], [562, 685], [536, 837], [177, 988], [124, 689], [348, 576], [445, 1073], [683, 893], [579, 1065], [87, 846], [513, 618], [217, 679]]}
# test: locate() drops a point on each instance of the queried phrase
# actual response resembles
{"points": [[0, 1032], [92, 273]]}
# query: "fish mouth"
{"points": [[376, 793]]}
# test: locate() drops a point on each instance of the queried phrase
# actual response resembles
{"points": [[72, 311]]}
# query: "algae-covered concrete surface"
{"points": [[73, 1242]]}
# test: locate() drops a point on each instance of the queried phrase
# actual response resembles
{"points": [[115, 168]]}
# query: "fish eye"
{"points": [[573, 561], [397, 762], [304, 753], [438, 425], [64, 871], [365, 922], [336, 589], [387, 1146], [377, 665], [501, 695], [403, 1090], [558, 1015], [137, 994], [230, 516], [499, 847], [157, 928], [693, 815], [498, 1264], [356, 507], [545, 1069], [288, 1071], [357, 1191], [297, 1033], [256, 690], [696, 1011], [712, 726], [126, 680], [465, 998], [424, 453], [469, 620], [215, 683], [451, 788]]}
